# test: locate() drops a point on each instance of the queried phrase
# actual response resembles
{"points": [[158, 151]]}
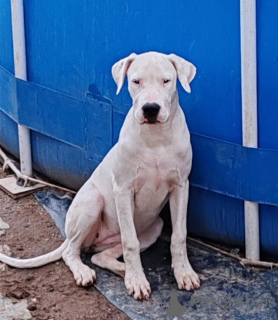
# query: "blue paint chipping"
{"points": [[69, 101]]}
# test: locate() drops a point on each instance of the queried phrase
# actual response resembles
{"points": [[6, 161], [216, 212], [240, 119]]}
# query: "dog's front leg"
{"points": [[184, 274], [135, 279]]}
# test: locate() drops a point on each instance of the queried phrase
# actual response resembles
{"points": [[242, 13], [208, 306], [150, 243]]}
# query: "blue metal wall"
{"points": [[74, 45], [75, 117]]}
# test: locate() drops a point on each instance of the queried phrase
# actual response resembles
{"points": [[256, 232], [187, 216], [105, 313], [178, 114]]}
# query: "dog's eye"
{"points": [[166, 80], [137, 81]]}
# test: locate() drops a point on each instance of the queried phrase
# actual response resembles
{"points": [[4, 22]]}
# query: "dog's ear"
{"points": [[186, 71], [119, 70]]}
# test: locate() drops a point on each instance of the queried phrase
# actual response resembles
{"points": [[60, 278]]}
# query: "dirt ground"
{"points": [[50, 290]]}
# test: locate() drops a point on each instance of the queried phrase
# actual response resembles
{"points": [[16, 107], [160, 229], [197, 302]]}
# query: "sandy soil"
{"points": [[50, 290]]}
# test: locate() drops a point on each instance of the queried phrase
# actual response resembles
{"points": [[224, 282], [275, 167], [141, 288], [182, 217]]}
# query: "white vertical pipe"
{"points": [[20, 67], [249, 115]]}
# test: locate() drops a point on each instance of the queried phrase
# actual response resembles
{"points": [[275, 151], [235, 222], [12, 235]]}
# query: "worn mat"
{"points": [[228, 290]]}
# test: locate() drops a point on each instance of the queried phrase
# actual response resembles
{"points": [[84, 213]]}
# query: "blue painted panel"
{"points": [[62, 162], [221, 218], [267, 31], [228, 168], [269, 229], [6, 44], [9, 134], [86, 125], [73, 44], [215, 216], [8, 97], [51, 113], [98, 131]]}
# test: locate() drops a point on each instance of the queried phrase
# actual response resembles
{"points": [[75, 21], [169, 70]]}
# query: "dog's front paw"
{"points": [[137, 285], [186, 278]]}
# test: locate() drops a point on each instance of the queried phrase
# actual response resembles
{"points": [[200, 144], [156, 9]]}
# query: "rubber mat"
{"points": [[228, 290]]}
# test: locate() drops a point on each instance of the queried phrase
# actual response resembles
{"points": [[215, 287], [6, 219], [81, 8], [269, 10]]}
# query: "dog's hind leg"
{"points": [[149, 236], [82, 221], [107, 259]]}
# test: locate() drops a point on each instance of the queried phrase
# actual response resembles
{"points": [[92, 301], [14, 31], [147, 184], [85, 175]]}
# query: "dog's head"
{"points": [[152, 81]]}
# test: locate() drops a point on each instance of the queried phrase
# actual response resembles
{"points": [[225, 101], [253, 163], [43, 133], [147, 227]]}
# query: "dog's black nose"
{"points": [[150, 111]]}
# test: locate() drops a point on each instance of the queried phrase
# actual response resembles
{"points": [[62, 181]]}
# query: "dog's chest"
{"points": [[158, 175]]}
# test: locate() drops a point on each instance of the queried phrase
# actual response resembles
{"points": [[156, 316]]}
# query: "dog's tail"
{"points": [[35, 262]]}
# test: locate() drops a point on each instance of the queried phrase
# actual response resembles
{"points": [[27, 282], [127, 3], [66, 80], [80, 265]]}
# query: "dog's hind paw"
{"points": [[84, 276]]}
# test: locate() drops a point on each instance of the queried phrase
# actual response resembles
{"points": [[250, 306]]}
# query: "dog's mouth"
{"points": [[150, 121]]}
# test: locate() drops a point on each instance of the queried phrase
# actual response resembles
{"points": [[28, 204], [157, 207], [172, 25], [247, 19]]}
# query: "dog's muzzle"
{"points": [[150, 112]]}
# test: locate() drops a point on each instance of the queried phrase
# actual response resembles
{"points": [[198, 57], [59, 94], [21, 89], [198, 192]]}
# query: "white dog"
{"points": [[116, 212]]}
